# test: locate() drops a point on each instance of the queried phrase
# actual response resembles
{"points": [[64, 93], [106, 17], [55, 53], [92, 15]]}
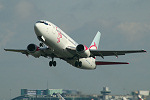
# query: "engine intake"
{"points": [[80, 48], [82, 51], [32, 48]]}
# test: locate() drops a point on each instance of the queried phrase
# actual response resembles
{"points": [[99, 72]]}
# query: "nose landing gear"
{"points": [[41, 44]]}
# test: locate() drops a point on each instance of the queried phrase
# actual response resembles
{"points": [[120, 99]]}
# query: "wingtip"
{"points": [[144, 50], [125, 63], [5, 49]]}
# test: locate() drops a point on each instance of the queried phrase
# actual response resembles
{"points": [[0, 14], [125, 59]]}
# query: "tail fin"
{"points": [[95, 42]]}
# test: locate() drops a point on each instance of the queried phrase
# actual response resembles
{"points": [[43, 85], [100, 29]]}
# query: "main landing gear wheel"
{"points": [[78, 64], [52, 63]]}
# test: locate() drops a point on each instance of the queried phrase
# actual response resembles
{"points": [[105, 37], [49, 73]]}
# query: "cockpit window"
{"points": [[42, 22], [45, 23]]}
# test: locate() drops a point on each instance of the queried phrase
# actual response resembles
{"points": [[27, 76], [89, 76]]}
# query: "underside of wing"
{"points": [[71, 49], [45, 52], [113, 53], [109, 63], [17, 50]]}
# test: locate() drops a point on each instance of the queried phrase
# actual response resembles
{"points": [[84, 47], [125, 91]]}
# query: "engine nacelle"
{"points": [[34, 50], [82, 51]]}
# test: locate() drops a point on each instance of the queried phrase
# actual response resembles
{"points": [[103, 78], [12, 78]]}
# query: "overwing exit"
{"points": [[57, 44]]}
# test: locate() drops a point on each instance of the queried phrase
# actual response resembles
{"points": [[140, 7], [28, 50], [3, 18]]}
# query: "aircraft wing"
{"points": [[45, 52], [103, 53], [113, 53], [18, 50]]}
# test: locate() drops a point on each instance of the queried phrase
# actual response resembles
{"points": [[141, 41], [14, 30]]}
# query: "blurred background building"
{"points": [[51, 94]]}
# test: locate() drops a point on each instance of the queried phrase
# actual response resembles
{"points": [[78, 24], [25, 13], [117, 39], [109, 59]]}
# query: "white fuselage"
{"points": [[58, 41]]}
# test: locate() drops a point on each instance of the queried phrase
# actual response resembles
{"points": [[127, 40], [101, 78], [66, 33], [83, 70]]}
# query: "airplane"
{"points": [[57, 44]]}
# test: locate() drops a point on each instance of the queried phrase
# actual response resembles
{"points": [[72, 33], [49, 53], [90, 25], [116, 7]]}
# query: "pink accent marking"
{"points": [[86, 48], [93, 46], [145, 51], [38, 48], [59, 35]]}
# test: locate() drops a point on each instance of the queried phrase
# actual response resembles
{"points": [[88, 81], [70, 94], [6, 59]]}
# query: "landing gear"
{"points": [[78, 64], [52, 63], [41, 44]]}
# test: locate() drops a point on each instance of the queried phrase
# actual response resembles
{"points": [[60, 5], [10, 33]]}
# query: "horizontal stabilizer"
{"points": [[109, 63]]}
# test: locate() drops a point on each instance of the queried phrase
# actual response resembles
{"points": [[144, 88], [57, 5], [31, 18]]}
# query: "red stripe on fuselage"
{"points": [[109, 63]]}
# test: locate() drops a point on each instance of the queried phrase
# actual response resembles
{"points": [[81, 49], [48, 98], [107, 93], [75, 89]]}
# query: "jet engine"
{"points": [[34, 50], [82, 51]]}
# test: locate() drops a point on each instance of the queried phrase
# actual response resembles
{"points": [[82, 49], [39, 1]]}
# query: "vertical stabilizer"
{"points": [[95, 42]]}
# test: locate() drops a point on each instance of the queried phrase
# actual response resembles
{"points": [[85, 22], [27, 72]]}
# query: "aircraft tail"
{"points": [[95, 42]]}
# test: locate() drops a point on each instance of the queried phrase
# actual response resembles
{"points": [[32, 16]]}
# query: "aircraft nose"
{"points": [[36, 26], [37, 29]]}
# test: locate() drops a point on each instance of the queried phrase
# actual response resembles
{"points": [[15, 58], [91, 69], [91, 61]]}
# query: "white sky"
{"points": [[124, 25]]}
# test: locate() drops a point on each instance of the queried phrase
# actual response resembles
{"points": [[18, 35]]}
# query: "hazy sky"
{"points": [[124, 24]]}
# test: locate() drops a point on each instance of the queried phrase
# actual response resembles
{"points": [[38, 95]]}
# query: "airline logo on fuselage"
{"points": [[59, 35]]}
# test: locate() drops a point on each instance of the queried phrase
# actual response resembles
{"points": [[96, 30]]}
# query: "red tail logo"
{"points": [[93, 46]]}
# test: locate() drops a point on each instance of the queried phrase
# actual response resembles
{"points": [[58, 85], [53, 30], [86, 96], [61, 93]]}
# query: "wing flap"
{"points": [[109, 63]]}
